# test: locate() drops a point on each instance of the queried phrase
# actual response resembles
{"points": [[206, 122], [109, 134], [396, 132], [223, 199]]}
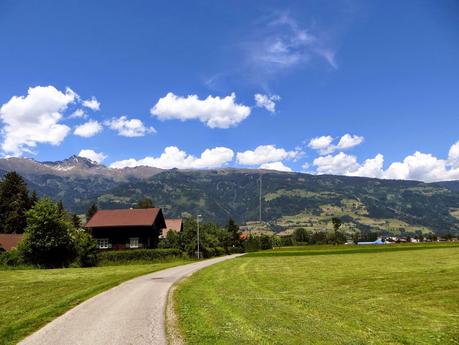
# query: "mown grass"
{"points": [[29, 298], [399, 295]]}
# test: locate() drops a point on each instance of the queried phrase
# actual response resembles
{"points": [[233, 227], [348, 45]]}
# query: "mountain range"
{"points": [[289, 199]]}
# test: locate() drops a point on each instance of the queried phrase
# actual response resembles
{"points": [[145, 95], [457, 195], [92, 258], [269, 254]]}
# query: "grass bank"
{"points": [[29, 298], [325, 295]]}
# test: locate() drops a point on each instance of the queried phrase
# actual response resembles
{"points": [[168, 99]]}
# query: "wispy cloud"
{"points": [[281, 43]]}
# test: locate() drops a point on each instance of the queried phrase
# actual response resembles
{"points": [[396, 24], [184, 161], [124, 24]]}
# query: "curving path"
{"points": [[130, 313]]}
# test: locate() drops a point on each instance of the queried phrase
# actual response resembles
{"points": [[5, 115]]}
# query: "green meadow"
{"points": [[29, 298], [391, 294]]}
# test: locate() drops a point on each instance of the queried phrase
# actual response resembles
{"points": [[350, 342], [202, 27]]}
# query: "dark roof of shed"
{"points": [[125, 217], [9, 241]]}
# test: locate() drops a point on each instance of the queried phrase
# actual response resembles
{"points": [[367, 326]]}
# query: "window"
{"points": [[102, 243], [134, 242]]}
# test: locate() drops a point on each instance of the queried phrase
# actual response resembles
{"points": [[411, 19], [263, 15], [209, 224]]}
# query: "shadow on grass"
{"points": [[357, 250]]}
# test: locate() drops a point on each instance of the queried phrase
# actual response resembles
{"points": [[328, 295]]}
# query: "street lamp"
{"points": [[197, 222]]}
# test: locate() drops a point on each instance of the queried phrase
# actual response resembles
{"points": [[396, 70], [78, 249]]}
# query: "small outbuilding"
{"points": [[172, 225], [9, 241], [127, 228]]}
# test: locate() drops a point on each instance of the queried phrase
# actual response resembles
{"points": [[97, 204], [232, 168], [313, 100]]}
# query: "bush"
{"points": [[251, 244], [266, 242], [49, 236], [86, 249], [11, 258], [124, 256]]}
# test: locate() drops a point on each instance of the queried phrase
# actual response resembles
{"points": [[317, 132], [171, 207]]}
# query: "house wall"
{"points": [[119, 236]]}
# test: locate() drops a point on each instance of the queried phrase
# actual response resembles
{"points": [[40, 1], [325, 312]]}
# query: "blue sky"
{"points": [[345, 87]]}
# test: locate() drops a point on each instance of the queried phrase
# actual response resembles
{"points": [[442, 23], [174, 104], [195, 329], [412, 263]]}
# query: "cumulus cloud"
{"points": [[324, 144], [279, 166], [173, 157], [418, 166], [129, 127], [78, 114], [267, 102], [92, 155], [215, 112], [34, 118], [265, 154], [321, 144], [88, 129], [92, 104], [348, 141], [340, 164], [453, 155]]}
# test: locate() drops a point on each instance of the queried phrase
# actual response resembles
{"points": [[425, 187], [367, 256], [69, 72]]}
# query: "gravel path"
{"points": [[131, 313]]}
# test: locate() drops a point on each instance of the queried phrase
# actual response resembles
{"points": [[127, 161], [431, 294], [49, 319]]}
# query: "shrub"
{"points": [[251, 244], [124, 256], [266, 242], [49, 236], [86, 249], [11, 258]]}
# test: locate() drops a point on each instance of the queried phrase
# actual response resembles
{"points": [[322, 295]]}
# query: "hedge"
{"points": [[123, 256]]}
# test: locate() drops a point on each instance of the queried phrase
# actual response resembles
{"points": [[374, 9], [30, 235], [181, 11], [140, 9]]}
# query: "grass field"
{"points": [[31, 298], [325, 295]]}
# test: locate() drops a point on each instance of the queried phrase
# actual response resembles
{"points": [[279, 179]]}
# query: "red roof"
{"points": [[9, 241], [129, 217], [172, 224]]}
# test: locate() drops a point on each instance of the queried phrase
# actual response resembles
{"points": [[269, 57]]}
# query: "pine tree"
{"points": [[91, 211], [233, 232], [14, 202], [33, 198]]}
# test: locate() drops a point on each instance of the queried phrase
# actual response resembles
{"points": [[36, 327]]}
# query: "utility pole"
{"points": [[197, 222], [259, 211]]}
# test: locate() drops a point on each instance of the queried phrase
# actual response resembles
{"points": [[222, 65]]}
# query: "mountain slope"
{"points": [[289, 199]]}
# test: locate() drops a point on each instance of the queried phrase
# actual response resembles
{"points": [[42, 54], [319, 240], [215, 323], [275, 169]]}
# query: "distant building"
{"points": [[172, 225], [378, 241], [9, 241], [127, 228]]}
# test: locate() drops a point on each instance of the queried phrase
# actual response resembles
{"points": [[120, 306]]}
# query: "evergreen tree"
{"points": [[233, 232], [145, 203], [336, 225], [14, 202], [91, 211], [33, 198]]}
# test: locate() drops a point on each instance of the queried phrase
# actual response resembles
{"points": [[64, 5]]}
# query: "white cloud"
{"points": [[305, 166], [372, 167], [265, 154], [215, 112], [92, 104], [421, 166], [348, 141], [321, 144], [79, 113], [418, 166], [453, 155], [340, 164], [173, 157], [267, 102], [92, 155], [88, 129], [279, 166], [34, 118], [129, 127], [324, 144]]}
